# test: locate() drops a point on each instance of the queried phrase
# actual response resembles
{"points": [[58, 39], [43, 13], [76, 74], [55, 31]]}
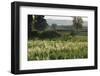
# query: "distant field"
{"points": [[74, 48]]}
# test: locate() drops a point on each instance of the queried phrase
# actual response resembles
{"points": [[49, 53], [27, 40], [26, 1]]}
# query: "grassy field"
{"points": [[73, 48]]}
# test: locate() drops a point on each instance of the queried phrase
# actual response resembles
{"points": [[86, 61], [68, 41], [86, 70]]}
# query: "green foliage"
{"points": [[74, 48], [77, 22], [33, 35], [44, 35], [39, 23], [49, 34]]}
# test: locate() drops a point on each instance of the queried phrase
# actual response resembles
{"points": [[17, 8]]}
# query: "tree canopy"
{"points": [[39, 23], [77, 22]]}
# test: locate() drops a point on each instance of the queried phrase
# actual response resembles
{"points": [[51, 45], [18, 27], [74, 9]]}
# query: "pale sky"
{"points": [[63, 18]]}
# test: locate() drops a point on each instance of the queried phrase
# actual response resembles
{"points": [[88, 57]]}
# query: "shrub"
{"points": [[34, 34], [49, 34]]}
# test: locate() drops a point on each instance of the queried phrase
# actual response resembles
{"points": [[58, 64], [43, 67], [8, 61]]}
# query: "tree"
{"points": [[54, 26], [39, 23], [77, 23]]}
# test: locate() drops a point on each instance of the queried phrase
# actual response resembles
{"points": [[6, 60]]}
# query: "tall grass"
{"points": [[74, 48]]}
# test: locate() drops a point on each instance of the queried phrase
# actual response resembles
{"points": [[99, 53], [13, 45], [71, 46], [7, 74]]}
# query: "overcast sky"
{"points": [[63, 18]]}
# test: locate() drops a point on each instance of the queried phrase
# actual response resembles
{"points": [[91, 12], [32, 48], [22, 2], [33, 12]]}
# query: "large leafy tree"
{"points": [[39, 23], [77, 23]]}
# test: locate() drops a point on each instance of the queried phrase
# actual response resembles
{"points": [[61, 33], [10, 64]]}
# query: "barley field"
{"points": [[73, 48]]}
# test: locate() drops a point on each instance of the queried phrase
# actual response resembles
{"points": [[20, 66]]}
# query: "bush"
{"points": [[65, 36], [49, 34], [34, 34]]}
